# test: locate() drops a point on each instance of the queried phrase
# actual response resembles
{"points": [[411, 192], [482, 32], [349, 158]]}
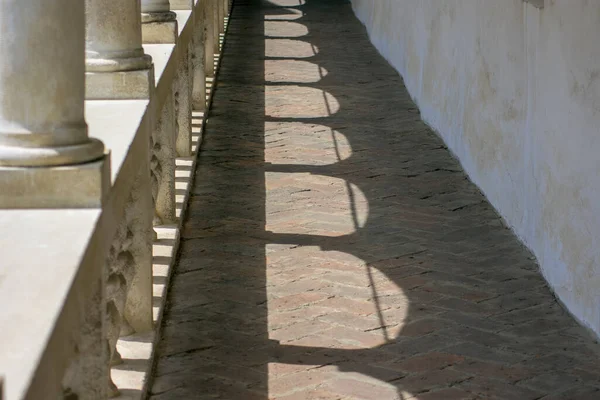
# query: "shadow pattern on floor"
{"points": [[334, 249]]}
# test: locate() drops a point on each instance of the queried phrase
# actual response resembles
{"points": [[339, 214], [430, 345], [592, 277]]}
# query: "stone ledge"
{"points": [[165, 69], [121, 125], [47, 278], [185, 28]]}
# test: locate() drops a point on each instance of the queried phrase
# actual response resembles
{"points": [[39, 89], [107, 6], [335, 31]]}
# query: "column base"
{"points": [[182, 4], [74, 186], [159, 28], [122, 85]]}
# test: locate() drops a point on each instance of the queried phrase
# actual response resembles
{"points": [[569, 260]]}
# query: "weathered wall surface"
{"points": [[515, 92]]}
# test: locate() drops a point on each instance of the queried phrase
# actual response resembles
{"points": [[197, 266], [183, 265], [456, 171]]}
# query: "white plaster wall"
{"points": [[515, 93]]}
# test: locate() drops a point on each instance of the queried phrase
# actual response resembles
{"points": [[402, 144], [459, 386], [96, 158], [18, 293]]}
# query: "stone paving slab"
{"points": [[334, 249]]}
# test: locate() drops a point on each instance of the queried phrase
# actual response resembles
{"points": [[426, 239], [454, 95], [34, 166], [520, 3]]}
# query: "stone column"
{"points": [[42, 109], [159, 23], [116, 65]]}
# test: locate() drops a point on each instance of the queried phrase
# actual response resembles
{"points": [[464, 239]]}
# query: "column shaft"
{"points": [[116, 65], [155, 6], [42, 84], [114, 36]]}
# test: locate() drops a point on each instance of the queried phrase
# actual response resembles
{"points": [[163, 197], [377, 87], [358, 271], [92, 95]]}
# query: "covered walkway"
{"points": [[334, 249]]}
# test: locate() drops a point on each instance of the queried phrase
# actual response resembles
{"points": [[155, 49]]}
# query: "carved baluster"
{"points": [[222, 14], [184, 84], [199, 59], [155, 174], [163, 165], [217, 18], [129, 277], [138, 307], [85, 377], [209, 38], [119, 269], [183, 105]]}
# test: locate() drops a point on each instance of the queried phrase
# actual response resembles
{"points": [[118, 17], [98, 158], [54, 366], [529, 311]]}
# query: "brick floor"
{"points": [[335, 250]]}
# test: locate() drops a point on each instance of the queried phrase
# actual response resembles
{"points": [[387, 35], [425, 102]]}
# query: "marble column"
{"points": [[116, 65], [42, 123], [159, 23]]}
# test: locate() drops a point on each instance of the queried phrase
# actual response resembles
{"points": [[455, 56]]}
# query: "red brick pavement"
{"points": [[335, 250]]}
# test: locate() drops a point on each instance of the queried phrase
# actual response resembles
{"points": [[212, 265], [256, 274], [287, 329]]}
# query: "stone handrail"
{"points": [[95, 161]]}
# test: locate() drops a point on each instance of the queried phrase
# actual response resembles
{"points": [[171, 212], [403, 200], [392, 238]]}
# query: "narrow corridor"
{"points": [[333, 248]]}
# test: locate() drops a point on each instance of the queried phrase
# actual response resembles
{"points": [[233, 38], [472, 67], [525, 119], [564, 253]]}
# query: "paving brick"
{"points": [[299, 330], [432, 379], [428, 362], [446, 394], [579, 393], [491, 370], [313, 394], [493, 389], [425, 326], [295, 301], [552, 382], [301, 381], [484, 353], [355, 389], [362, 371], [334, 249]]}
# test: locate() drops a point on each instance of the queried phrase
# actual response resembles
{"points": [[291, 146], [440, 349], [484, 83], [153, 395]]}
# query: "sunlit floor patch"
{"points": [[332, 207], [287, 3], [299, 102], [304, 144], [289, 48], [285, 29], [293, 71], [322, 305], [284, 14]]}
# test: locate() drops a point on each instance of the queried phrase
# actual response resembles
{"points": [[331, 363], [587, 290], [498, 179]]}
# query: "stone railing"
{"points": [[102, 104]]}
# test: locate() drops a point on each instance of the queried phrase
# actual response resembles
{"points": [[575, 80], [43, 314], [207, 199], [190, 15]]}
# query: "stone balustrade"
{"points": [[101, 108]]}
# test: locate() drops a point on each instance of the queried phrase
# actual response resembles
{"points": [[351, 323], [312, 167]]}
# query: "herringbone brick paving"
{"points": [[335, 250]]}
